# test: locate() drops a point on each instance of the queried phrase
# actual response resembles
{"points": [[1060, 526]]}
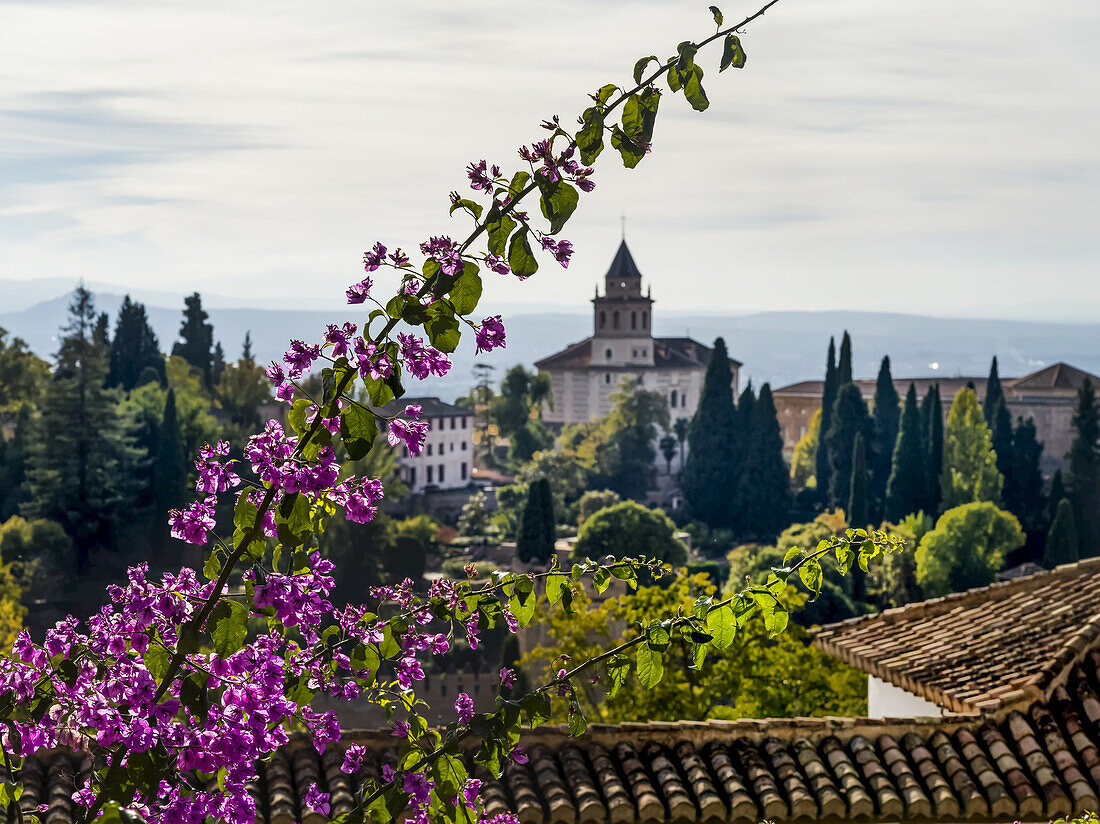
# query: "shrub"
{"points": [[629, 529], [967, 548]]}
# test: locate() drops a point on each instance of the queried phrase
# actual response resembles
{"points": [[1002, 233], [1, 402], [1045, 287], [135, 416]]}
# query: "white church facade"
{"points": [[584, 375]]}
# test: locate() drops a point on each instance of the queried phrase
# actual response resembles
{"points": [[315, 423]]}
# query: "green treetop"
{"points": [[932, 431], [1084, 469], [196, 343], [828, 398], [1062, 543], [886, 414], [709, 469], [905, 491], [766, 495], [844, 365], [517, 410], [23, 375], [134, 348], [628, 529], [994, 393], [967, 548], [850, 418], [969, 463]]}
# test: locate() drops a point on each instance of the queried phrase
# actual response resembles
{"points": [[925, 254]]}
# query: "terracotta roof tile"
{"points": [[977, 650]]}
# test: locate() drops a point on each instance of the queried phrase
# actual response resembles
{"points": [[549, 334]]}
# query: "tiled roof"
{"points": [[574, 356], [1056, 376], [1032, 765], [668, 353], [948, 386], [976, 649], [430, 407]]}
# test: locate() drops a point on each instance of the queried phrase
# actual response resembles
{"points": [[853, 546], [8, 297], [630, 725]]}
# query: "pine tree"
{"points": [[969, 464], [535, 542], [906, 489], [709, 471], [850, 418], [887, 418], [134, 348], [858, 516], [932, 413], [766, 498], [1062, 542], [169, 464], [994, 393], [844, 366], [1057, 492], [246, 348], [217, 364], [13, 464], [81, 462], [196, 343], [101, 335], [1023, 491], [828, 398], [1000, 428], [1084, 470]]}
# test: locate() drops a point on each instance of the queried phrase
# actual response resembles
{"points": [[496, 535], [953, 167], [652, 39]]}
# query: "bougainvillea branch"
{"points": [[172, 694]]}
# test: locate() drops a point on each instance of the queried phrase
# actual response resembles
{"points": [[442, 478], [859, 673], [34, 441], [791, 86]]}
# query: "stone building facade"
{"points": [[448, 457], [585, 374], [1047, 396]]}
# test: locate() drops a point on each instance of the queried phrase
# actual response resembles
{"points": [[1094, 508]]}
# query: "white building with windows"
{"points": [[585, 374], [447, 461]]}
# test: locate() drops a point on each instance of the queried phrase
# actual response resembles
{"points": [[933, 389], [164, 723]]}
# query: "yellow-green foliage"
{"points": [[967, 548]]}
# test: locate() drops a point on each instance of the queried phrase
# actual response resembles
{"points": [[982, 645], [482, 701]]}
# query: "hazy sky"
{"points": [[923, 156]]}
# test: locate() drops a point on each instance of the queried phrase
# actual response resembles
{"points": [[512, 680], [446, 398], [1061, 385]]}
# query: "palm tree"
{"points": [[680, 428], [668, 450]]}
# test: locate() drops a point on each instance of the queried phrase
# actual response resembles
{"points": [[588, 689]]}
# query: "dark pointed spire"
{"points": [[623, 266]]}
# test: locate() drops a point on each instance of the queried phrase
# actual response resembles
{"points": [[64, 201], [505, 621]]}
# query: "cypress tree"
{"points": [[535, 543], [858, 516], [969, 465], [196, 343], [217, 364], [905, 491], [1054, 497], [994, 393], [169, 463], [246, 348], [766, 496], [1024, 484], [932, 409], [1084, 470], [887, 418], [828, 398], [80, 470], [850, 418], [101, 335], [1000, 427], [742, 483], [844, 367], [1062, 541], [134, 348], [709, 471]]}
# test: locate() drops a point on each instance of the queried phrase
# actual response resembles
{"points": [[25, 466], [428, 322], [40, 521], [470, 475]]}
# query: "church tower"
{"points": [[622, 316]]}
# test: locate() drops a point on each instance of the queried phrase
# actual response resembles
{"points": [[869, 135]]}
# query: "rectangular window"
{"points": [[463, 421], [441, 473], [464, 446], [429, 449], [429, 473], [452, 449], [463, 469], [412, 476], [452, 423]]}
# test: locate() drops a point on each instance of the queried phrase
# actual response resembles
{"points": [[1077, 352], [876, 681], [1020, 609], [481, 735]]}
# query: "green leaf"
{"points": [[443, 330], [732, 53], [657, 636], [810, 573], [537, 707], [520, 258], [630, 152], [775, 619], [469, 205], [449, 774], [722, 626], [601, 580], [674, 81], [358, 429], [212, 566], [292, 520], [639, 67], [230, 622], [693, 90], [297, 415], [590, 136], [604, 94], [577, 722], [365, 657], [10, 791], [650, 667], [498, 226], [618, 668], [717, 16], [522, 605], [466, 291], [156, 661], [519, 183], [555, 584], [558, 201]]}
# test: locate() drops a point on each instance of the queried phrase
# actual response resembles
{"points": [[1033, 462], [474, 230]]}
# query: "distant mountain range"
{"points": [[780, 347]]}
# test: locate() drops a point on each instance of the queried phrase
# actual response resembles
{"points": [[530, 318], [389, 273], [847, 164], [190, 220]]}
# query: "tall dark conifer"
{"points": [[1000, 428], [850, 418], [81, 464], [1023, 492], [887, 419], [844, 365], [1063, 544], [217, 364], [906, 489], [709, 472], [13, 464], [246, 348], [932, 412], [134, 348], [766, 496], [1057, 492], [535, 542], [196, 343], [828, 398], [994, 393], [741, 487], [858, 514], [1084, 470]]}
